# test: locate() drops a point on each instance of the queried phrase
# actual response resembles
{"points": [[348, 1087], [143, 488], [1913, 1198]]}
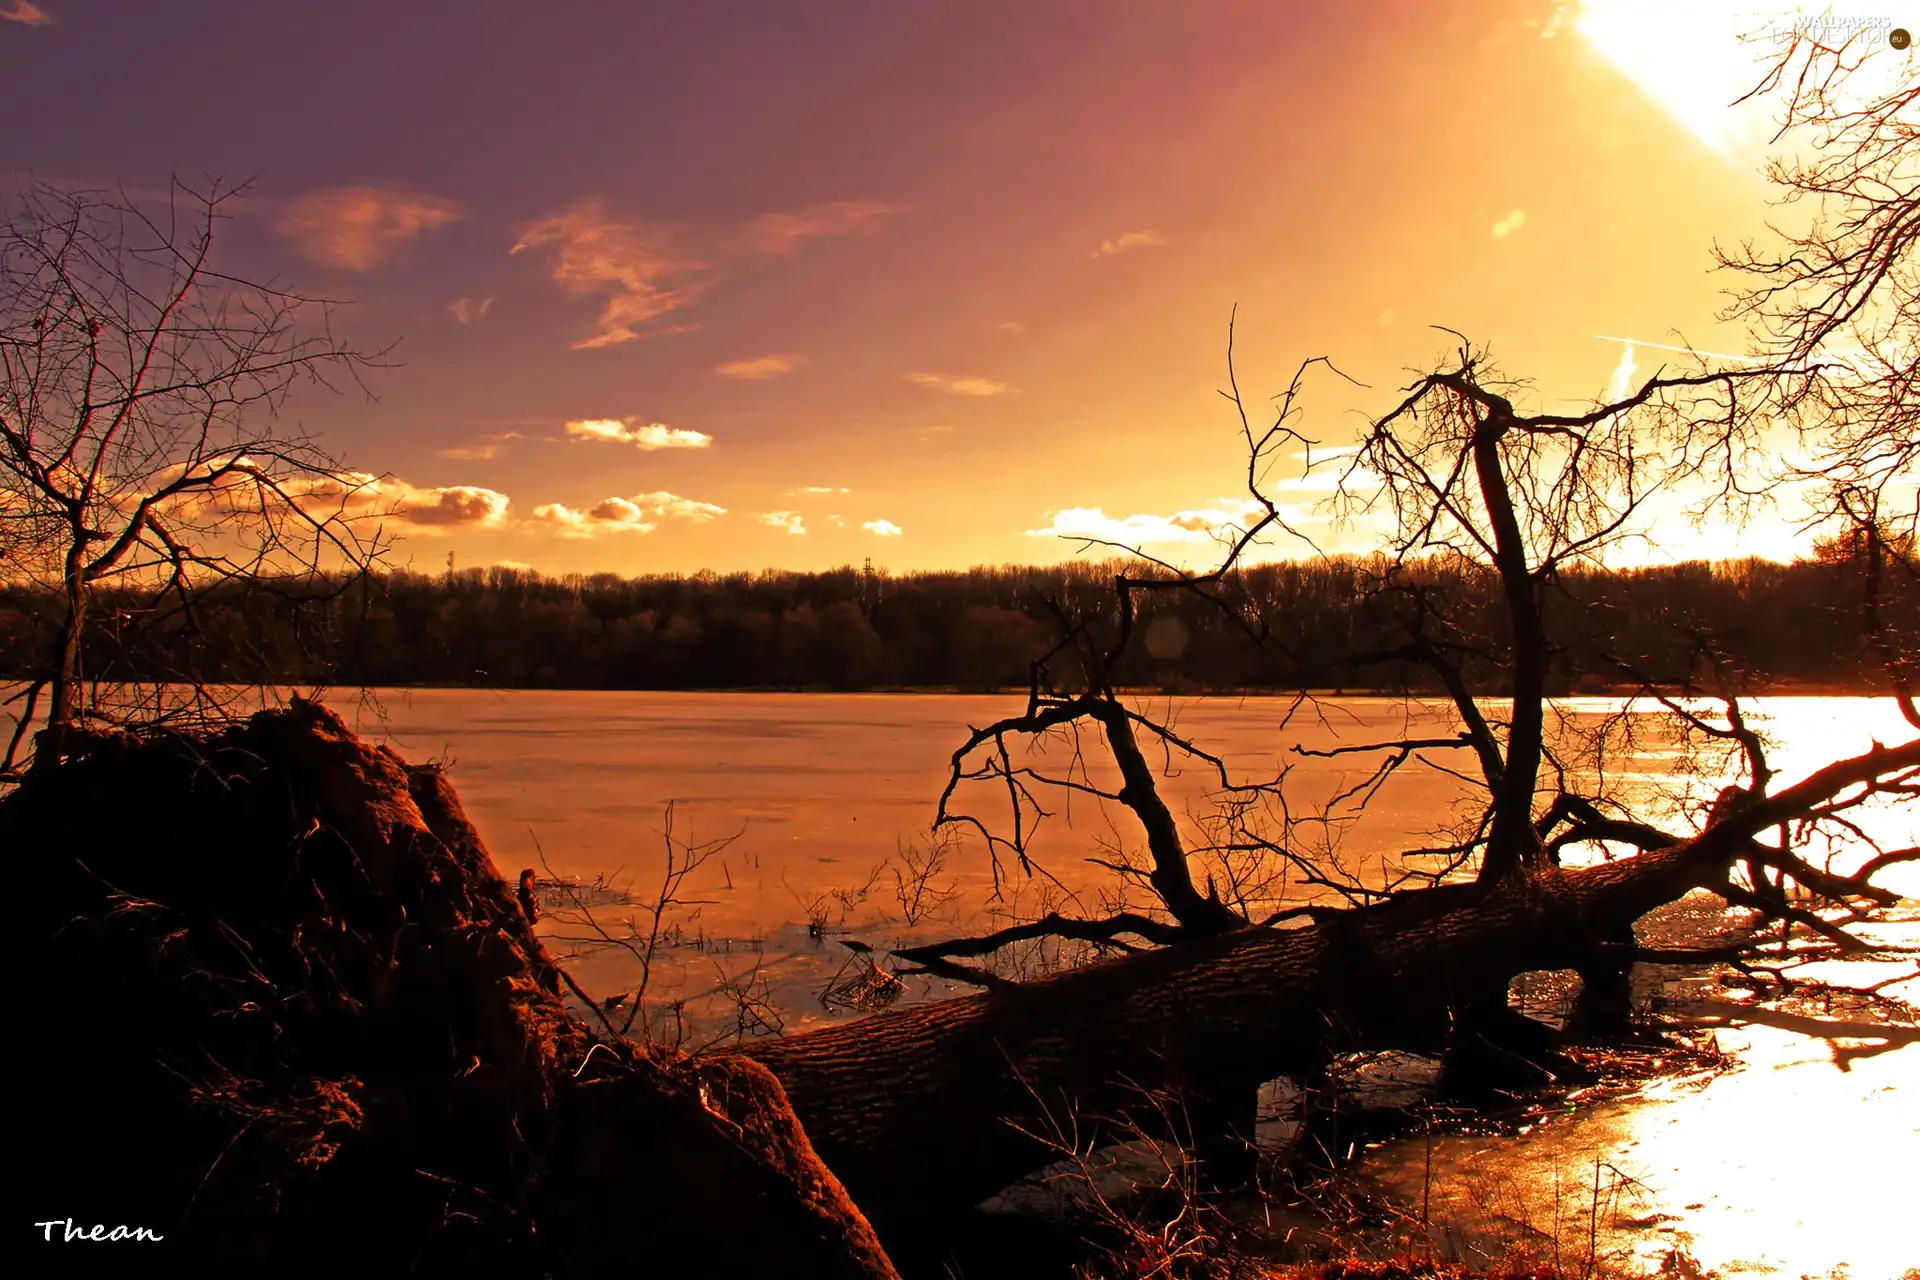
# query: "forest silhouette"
{"points": [[1785, 626]]}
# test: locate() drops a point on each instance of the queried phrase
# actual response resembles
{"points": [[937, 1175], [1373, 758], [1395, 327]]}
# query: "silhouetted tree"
{"points": [[139, 450], [1841, 299]]}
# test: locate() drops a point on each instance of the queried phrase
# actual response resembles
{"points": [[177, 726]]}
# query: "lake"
{"points": [[817, 790]]}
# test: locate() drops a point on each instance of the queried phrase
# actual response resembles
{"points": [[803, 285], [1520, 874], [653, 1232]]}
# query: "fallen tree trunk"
{"points": [[295, 1023], [925, 1111]]}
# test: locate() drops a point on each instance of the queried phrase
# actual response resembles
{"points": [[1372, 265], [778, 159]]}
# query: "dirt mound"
{"points": [[288, 1018]]}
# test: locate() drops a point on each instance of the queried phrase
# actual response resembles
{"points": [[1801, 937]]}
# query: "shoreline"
{"points": [[1783, 689]]}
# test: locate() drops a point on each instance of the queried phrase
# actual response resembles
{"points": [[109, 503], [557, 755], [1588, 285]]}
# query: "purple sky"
{"points": [[962, 269]]}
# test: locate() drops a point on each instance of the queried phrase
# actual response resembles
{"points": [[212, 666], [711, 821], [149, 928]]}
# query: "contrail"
{"points": [[1691, 351], [1848, 358]]}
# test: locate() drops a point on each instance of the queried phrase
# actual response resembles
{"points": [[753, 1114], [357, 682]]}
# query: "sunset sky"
{"points": [[729, 284]]}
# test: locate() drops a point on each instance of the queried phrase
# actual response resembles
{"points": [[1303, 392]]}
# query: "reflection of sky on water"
{"points": [[1783, 1167], [805, 778]]}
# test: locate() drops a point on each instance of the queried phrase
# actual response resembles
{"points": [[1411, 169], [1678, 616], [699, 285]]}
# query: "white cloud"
{"points": [[26, 13], [358, 228], [1509, 224], [821, 488], [598, 429], [654, 435], [1205, 524], [791, 521], [881, 528], [960, 386], [616, 511], [657, 435], [468, 310], [1131, 240], [641, 513], [571, 523], [759, 368]]}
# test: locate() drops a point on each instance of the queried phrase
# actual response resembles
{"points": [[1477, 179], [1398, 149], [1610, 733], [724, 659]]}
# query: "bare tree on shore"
{"points": [[141, 451]]}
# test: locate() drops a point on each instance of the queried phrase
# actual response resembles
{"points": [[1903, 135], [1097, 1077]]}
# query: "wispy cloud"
{"points": [[480, 450], [759, 368], [822, 488], [468, 310], [645, 270], [1010, 328], [881, 528], [666, 504], [358, 228], [792, 521], [1509, 224], [960, 386], [1146, 239], [779, 234], [633, 264], [641, 513], [653, 435], [1205, 524], [27, 14]]}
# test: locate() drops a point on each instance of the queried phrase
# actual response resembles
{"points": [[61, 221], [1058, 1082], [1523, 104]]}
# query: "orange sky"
{"points": [[814, 283]]}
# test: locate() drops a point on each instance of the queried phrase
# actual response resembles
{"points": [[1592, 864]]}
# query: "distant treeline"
{"points": [[1779, 625]]}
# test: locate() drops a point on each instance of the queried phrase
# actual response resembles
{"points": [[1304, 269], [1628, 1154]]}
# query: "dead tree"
{"points": [[926, 1110], [139, 448], [922, 1111]]}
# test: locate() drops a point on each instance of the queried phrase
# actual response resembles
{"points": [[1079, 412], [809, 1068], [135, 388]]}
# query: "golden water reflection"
{"points": [[1784, 1166]]}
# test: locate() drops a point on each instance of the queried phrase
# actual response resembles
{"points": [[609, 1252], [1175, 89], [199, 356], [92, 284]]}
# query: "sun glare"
{"points": [[1695, 61]]}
